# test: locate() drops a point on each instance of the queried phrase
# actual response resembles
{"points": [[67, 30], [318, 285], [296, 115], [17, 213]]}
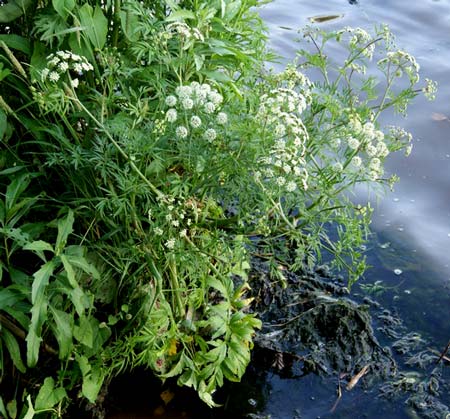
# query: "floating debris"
{"points": [[398, 271], [324, 18]]}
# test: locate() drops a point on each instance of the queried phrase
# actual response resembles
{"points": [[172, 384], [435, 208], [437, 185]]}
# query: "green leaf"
{"points": [[63, 331], [95, 25], [48, 395], [38, 247], [218, 76], [92, 383], [232, 10], [3, 123], [65, 228], [41, 280], [181, 15], [34, 339], [63, 7], [13, 349], [17, 42], [14, 190], [12, 408], [13, 9], [3, 408], [84, 332], [30, 411]]}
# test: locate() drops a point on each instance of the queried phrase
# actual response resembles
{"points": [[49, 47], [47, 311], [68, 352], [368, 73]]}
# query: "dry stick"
{"points": [[433, 351], [444, 353], [339, 396]]}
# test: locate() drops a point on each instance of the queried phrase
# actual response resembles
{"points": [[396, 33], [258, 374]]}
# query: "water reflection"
{"points": [[422, 207]]}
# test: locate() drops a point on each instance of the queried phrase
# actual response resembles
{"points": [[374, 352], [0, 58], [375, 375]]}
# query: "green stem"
{"points": [[153, 188]]}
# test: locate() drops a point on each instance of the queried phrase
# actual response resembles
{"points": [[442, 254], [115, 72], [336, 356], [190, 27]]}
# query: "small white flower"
{"points": [[280, 180], [175, 223], [196, 122], [44, 73], [158, 231], [222, 118], [356, 161], [181, 132], [210, 107], [215, 98], [63, 66], [291, 186], [183, 233], [353, 143], [75, 57], [171, 115], [53, 76], [170, 244], [280, 130], [338, 167], [87, 66], [75, 83], [187, 103], [78, 68], [53, 62], [210, 134], [171, 100]]}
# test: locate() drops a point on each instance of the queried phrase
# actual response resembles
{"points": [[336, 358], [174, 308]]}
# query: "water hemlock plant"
{"points": [[145, 149]]}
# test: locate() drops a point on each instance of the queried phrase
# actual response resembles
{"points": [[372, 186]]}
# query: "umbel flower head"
{"points": [[64, 63]]}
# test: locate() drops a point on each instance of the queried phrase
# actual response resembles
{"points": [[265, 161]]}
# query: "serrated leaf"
{"points": [[41, 280], [13, 349], [48, 395], [34, 339], [63, 331], [38, 247], [65, 228]]}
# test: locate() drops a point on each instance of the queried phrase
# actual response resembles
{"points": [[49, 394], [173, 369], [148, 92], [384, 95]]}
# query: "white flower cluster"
{"points": [[199, 107], [174, 220], [401, 62], [184, 31], [280, 112], [63, 62], [430, 89], [360, 40]]}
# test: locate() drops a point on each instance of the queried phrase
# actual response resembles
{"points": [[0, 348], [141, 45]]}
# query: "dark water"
{"points": [[411, 225]]}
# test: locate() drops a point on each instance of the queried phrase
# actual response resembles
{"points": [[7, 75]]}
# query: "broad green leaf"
{"points": [[84, 332], [95, 25], [63, 331], [13, 349], [180, 15], [17, 42], [63, 7], [129, 23], [48, 395], [65, 228], [218, 76], [13, 9], [69, 271], [92, 383], [84, 365], [79, 300]]}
